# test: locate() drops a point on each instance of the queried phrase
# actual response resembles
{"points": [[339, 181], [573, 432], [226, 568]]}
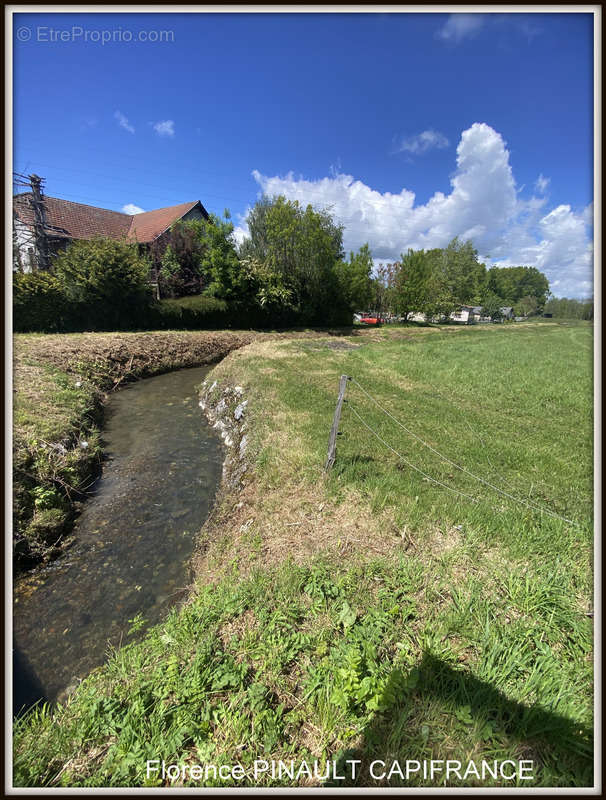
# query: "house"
{"points": [[465, 314], [506, 312], [66, 221]]}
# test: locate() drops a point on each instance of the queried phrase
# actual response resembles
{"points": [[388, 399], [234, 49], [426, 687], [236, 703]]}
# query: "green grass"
{"points": [[447, 629], [56, 452]]}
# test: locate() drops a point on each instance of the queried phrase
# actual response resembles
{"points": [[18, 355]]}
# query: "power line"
{"points": [[110, 196], [528, 504], [308, 191]]}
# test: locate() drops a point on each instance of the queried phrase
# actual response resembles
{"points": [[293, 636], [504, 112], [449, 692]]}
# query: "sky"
{"points": [[411, 128]]}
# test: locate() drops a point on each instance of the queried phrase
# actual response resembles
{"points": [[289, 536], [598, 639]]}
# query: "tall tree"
{"points": [[412, 286], [383, 285], [302, 245], [464, 275], [355, 279], [511, 284]]}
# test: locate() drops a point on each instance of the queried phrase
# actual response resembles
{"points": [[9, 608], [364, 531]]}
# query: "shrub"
{"points": [[193, 312], [106, 283], [39, 303], [196, 256]]}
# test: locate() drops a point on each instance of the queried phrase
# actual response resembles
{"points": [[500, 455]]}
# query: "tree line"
{"points": [[291, 269], [566, 308], [439, 281]]}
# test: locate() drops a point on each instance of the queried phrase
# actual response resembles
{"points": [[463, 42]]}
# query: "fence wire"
{"points": [[528, 504]]}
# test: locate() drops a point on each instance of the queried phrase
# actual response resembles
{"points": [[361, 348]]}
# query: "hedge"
{"points": [[40, 306]]}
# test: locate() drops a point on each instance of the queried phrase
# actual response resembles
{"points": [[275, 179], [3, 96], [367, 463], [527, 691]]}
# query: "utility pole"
{"points": [[39, 221]]}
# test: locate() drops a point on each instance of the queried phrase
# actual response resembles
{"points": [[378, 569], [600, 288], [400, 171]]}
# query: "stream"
{"points": [[132, 542]]}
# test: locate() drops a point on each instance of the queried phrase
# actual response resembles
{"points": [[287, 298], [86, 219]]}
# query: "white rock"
{"points": [[240, 409], [83, 445]]}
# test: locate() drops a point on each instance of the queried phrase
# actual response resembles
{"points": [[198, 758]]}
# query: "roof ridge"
{"points": [[86, 205]]}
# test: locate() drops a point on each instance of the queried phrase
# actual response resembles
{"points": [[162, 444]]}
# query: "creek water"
{"points": [[132, 542]]}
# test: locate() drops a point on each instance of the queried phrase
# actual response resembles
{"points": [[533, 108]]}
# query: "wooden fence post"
{"points": [[332, 441]]}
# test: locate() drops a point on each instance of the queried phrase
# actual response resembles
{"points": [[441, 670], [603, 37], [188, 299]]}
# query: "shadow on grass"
{"points": [[491, 726]]}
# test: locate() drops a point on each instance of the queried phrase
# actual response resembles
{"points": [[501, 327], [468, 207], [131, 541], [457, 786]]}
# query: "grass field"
{"points": [[373, 613]]}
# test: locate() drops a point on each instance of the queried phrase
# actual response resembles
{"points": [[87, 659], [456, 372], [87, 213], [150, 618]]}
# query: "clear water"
{"points": [[132, 542]]}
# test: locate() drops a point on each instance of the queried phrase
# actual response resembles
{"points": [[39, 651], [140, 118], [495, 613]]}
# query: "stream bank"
{"points": [[61, 383], [129, 561]]}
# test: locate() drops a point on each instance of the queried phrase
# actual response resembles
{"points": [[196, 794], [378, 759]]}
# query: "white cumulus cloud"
{"points": [[424, 141], [123, 122], [483, 205], [165, 127], [460, 26], [131, 208]]}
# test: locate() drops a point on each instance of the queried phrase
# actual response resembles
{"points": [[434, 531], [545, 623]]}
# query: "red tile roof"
{"points": [[67, 219], [149, 225]]}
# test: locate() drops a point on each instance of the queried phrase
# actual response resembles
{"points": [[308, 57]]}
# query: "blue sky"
{"points": [[413, 128]]}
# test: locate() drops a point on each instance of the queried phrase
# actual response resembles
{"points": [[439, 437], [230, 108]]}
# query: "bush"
{"points": [[39, 303], [194, 312], [106, 283]]}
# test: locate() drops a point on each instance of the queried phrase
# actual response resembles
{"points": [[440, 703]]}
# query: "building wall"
{"points": [[24, 257], [460, 316]]}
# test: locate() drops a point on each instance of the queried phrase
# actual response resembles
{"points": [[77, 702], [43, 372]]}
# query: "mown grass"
{"points": [[372, 614]]}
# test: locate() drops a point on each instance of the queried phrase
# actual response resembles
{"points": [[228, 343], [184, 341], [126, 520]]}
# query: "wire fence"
{"points": [[327, 387], [478, 478], [530, 505]]}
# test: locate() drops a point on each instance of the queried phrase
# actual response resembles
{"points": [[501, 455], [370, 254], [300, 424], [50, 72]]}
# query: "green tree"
{"points": [[197, 256], [264, 286], [412, 283], [565, 308], [303, 246], [383, 286], [355, 279], [526, 306], [456, 278], [491, 306], [463, 275], [39, 304], [511, 284], [107, 281]]}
